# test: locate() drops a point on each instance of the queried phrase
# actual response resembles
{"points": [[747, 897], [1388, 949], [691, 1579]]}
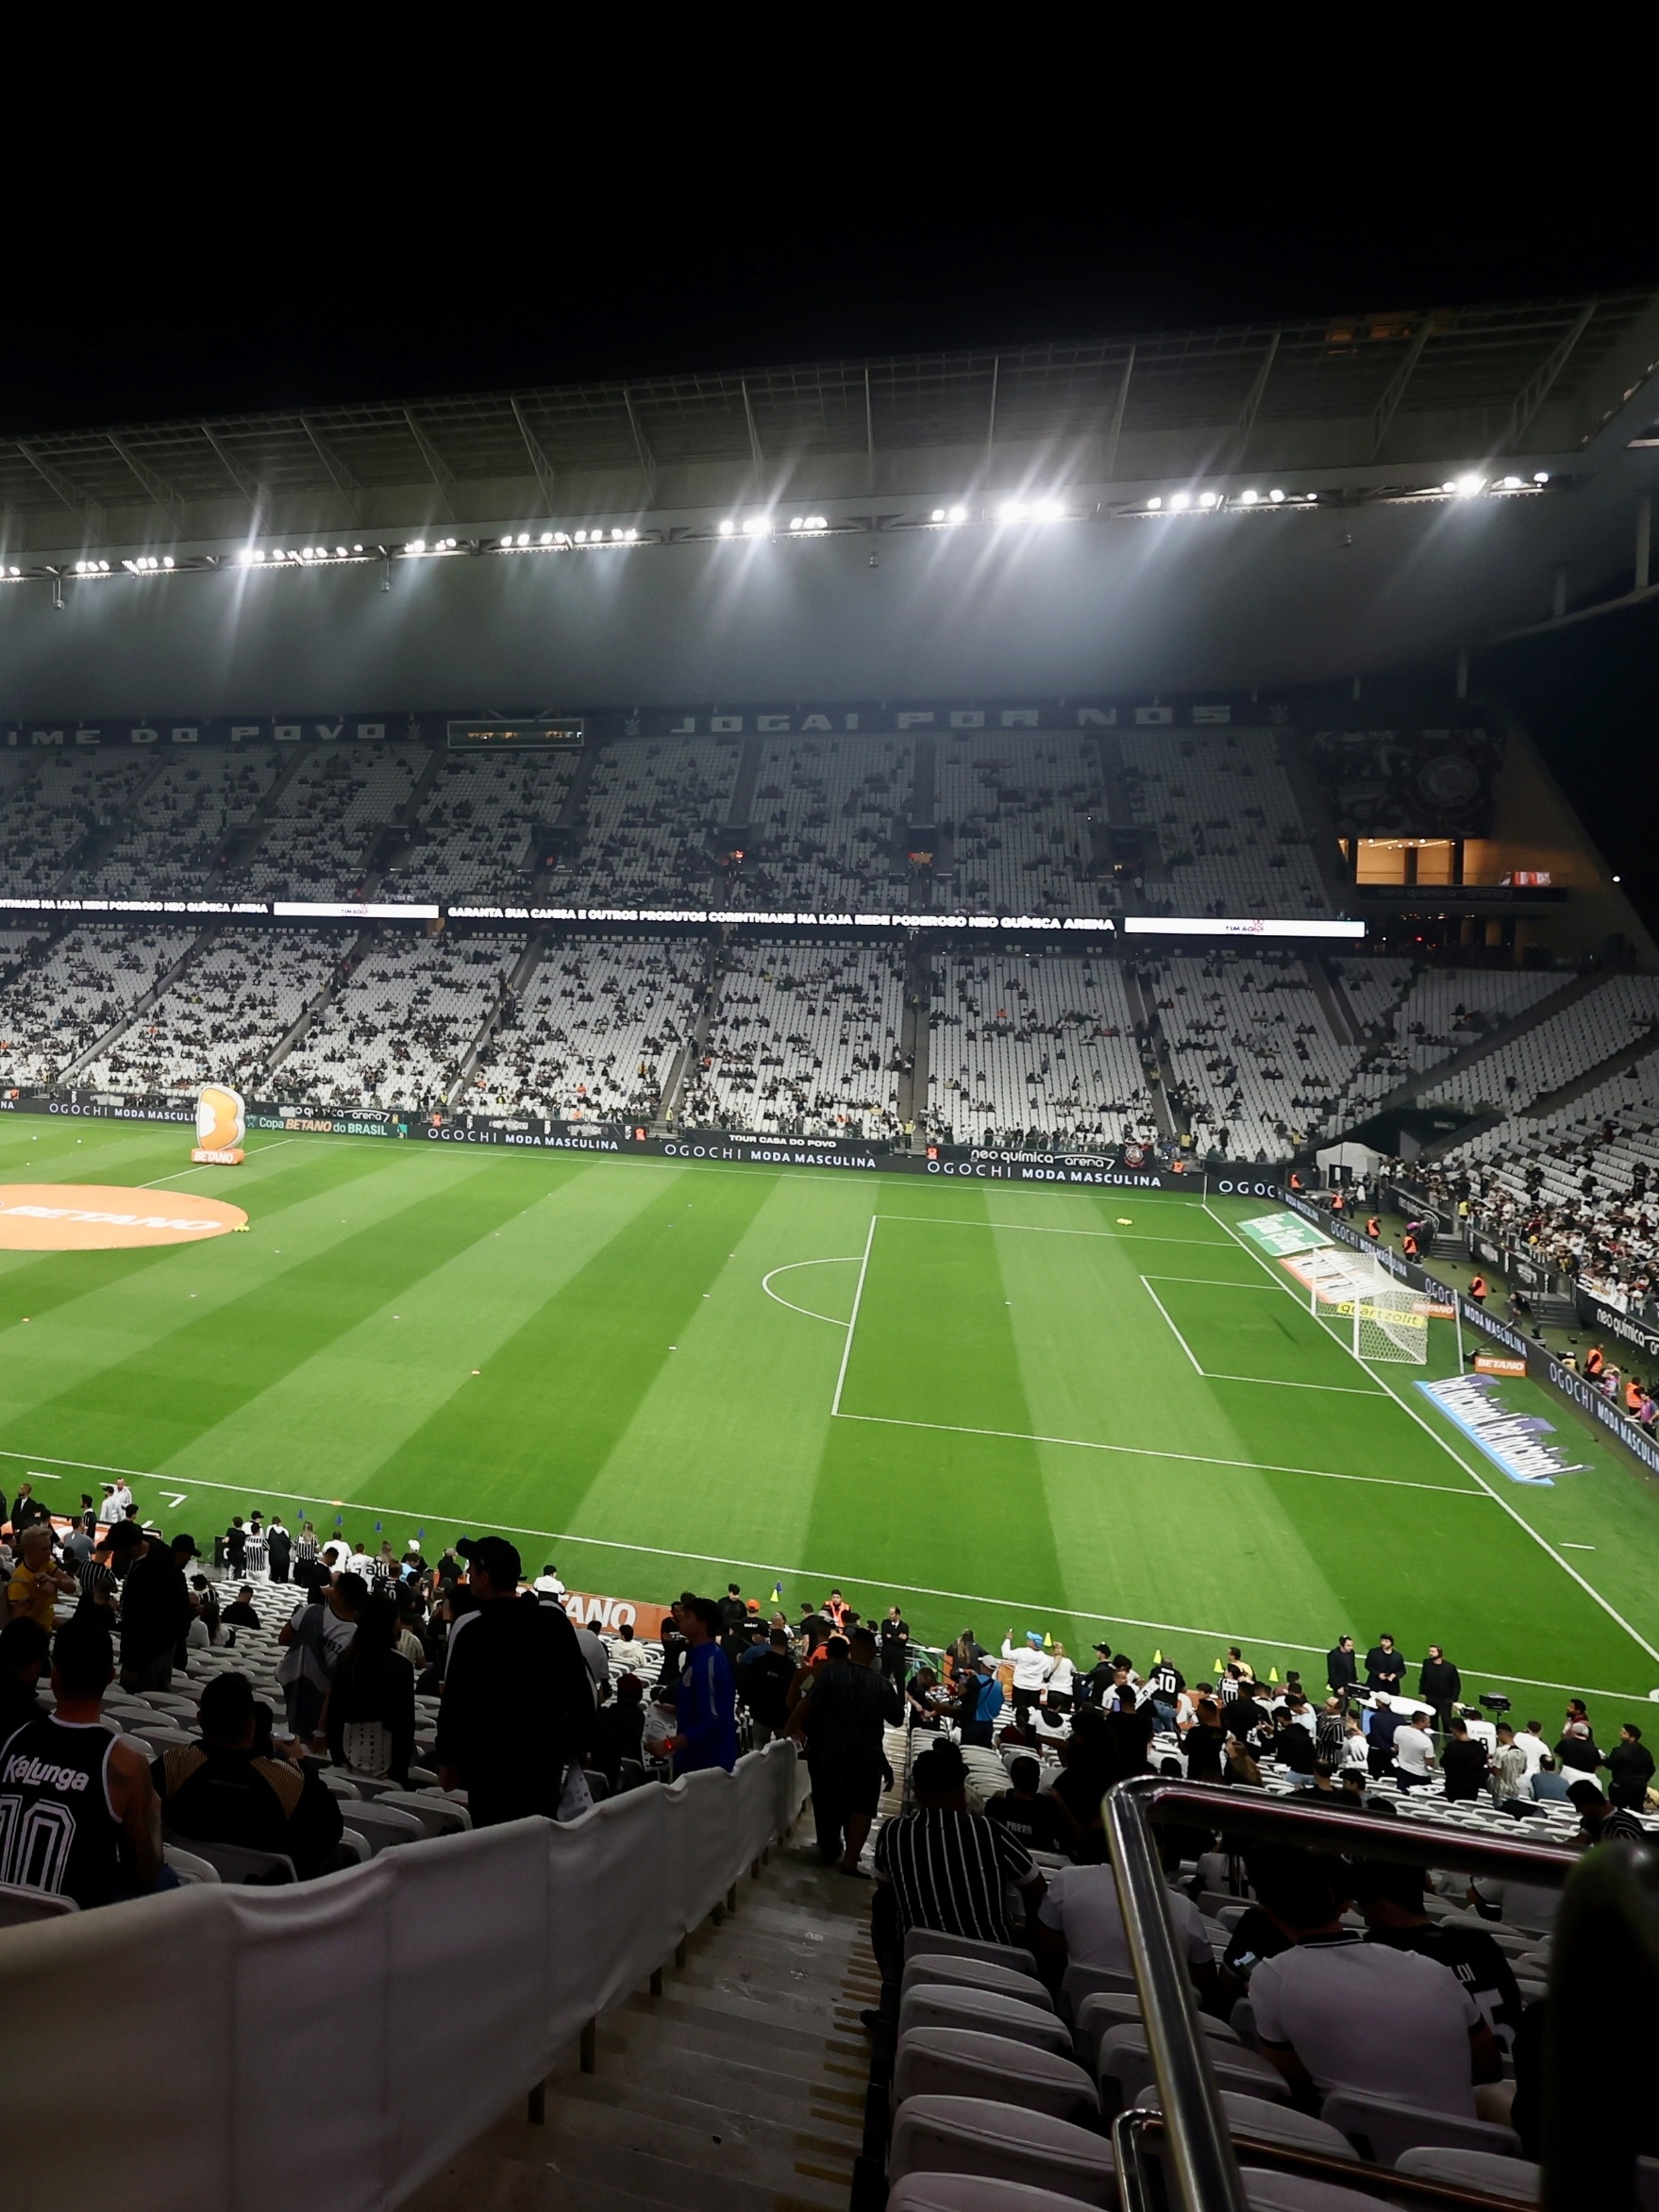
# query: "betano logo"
{"points": [[221, 1125], [95, 1217]]}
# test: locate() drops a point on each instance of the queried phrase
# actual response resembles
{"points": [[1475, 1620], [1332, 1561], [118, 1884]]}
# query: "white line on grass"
{"points": [[841, 1260], [1173, 1330], [202, 1165], [852, 1318], [1474, 1474], [1209, 1243], [1254, 1466], [1220, 1636], [1208, 1282]]}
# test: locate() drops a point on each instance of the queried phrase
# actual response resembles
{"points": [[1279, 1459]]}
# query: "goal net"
{"points": [[1382, 1319]]}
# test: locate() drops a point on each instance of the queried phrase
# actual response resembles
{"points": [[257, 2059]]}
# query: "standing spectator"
{"points": [[1630, 1767], [895, 1646], [734, 1617], [27, 1511], [1577, 1746], [314, 1639], [706, 1710], [842, 1718], [1463, 1762], [36, 1583], [978, 1701], [279, 1548], [236, 1547], [1413, 1751], [518, 1702], [1096, 1687], [155, 1613], [1384, 1666], [763, 1676], [1060, 1693], [1509, 1768], [1439, 1686], [228, 1789], [922, 1699], [368, 1711], [85, 1823], [942, 1866], [1031, 1671], [1342, 1670]]}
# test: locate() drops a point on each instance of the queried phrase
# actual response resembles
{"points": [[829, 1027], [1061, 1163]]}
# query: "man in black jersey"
{"points": [[1391, 1900], [78, 1815]]}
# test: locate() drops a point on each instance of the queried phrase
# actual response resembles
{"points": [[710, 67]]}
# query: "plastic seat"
{"points": [[1380, 2128], [1124, 2068], [187, 1865], [1001, 2143], [236, 1863], [1079, 1982], [931, 2005], [962, 2062], [973, 1973], [385, 1827], [936, 1941], [19, 1906], [1474, 2169], [438, 1816], [1268, 2191], [1273, 2123], [971, 2192], [1099, 2012]]}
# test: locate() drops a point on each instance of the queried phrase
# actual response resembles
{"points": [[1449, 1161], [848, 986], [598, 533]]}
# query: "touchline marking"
{"points": [[1173, 1330], [202, 1165], [1255, 1466], [1474, 1474], [1210, 1244], [841, 1260], [852, 1318], [1218, 1636], [1207, 1282]]}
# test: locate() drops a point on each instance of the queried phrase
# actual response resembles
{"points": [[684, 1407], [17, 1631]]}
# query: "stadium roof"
{"points": [[1359, 397]]}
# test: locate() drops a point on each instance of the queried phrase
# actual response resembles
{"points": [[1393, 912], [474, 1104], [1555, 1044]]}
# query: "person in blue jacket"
{"points": [[706, 1710]]}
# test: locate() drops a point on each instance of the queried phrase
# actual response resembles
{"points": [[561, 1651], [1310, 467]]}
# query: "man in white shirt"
{"points": [[1081, 1922], [116, 1502], [1414, 1753], [1531, 1740], [1334, 2012], [1031, 1669], [548, 1583]]}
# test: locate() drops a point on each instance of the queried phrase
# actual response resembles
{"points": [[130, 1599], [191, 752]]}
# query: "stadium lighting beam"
{"points": [[1248, 498], [727, 527], [1277, 496], [1179, 502]]}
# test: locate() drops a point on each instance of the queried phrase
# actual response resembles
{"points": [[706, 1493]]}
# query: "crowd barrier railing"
{"points": [[337, 2041]]}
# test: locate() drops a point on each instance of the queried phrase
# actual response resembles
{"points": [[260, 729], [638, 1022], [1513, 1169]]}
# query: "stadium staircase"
{"points": [[739, 2083], [139, 1007], [1315, 820], [511, 995], [243, 839], [1333, 1001], [1142, 1007], [359, 948], [689, 1054], [1629, 1055], [104, 837]]}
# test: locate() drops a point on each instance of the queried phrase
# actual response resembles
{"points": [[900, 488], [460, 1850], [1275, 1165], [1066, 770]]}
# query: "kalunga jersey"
{"points": [[57, 1829]]}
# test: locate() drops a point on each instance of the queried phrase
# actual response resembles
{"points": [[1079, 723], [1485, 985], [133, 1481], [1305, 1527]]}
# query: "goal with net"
{"points": [[1382, 1319]]}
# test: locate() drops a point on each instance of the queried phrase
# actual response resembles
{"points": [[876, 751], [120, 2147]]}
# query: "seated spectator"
{"points": [[1465, 1761], [619, 1728], [1600, 1821], [1079, 1923], [1036, 1820], [1391, 1901], [1548, 1784], [922, 1699], [225, 1790], [1336, 2012], [368, 1713], [81, 1790], [1630, 1767], [628, 1654], [206, 1630], [24, 1646], [241, 1614], [941, 1867]]}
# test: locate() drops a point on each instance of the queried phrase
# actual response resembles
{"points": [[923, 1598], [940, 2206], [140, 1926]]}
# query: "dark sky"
{"points": [[271, 294]]}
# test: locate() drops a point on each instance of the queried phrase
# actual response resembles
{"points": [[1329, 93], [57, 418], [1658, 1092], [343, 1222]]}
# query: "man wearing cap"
{"points": [[156, 1612], [518, 1702]]}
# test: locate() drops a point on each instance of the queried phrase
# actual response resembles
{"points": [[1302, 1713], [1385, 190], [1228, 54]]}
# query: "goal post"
{"points": [[1380, 1318]]}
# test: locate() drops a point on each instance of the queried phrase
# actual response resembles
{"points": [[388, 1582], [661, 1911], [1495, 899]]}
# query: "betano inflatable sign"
{"points": [[221, 1126]]}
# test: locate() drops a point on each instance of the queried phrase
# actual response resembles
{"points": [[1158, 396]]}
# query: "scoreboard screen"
{"points": [[564, 736]]}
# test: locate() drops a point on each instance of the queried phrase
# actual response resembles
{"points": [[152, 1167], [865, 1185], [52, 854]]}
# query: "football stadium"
{"points": [[920, 1051]]}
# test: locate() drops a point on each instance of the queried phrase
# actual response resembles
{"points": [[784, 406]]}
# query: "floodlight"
{"points": [[523, 537], [956, 514], [1206, 499], [1276, 495], [1179, 502], [357, 548], [756, 526], [1448, 487], [1014, 510], [581, 537], [1311, 496], [103, 568], [817, 522], [417, 544], [1512, 483], [629, 537], [1048, 511], [1154, 505], [797, 522], [546, 537], [727, 527], [561, 538], [166, 560], [1248, 498], [1542, 477], [937, 517], [341, 551], [1468, 486]]}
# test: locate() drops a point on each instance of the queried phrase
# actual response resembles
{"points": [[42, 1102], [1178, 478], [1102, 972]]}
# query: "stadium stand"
{"points": [[802, 1041], [475, 830], [397, 1031], [50, 806], [1252, 1049], [54, 1010], [1045, 1044], [647, 816], [1560, 1050], [174, 832], [324, 816], [825, 814], [224, 1018], [598, 1031], [1017, 809], [1226, 821]]}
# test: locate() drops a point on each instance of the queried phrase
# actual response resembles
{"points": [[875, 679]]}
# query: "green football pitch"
{"points": [[1096, 1414]]}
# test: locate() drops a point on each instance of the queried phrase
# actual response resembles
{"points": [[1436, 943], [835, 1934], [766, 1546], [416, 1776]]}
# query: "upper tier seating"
{"points": [[824, 816], [1016, 808], [650, 810], [597, 1031], [475, 841], [177, 825], [1047, 1044], [324, 819], [1226, 822], [51, 802]]}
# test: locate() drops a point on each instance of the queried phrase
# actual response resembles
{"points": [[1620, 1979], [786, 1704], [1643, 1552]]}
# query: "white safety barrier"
{"points": [[337, 2041]]}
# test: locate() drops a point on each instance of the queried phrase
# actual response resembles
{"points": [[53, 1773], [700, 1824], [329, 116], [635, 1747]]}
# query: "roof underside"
{"points": [[1400, 380]]}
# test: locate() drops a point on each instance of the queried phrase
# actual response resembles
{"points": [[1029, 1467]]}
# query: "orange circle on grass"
{"points": [[96, 1217]]}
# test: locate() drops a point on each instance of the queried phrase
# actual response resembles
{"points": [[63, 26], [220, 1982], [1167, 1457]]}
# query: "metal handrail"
{"points": [[1201, 2144]]}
